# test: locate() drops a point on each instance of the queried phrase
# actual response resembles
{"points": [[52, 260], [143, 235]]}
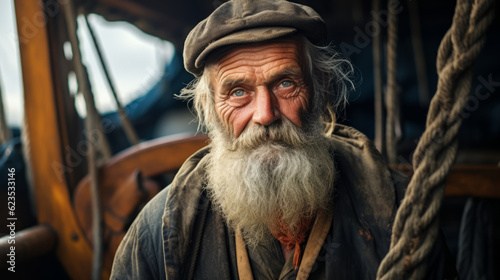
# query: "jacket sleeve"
{"points": [[140, 254]]}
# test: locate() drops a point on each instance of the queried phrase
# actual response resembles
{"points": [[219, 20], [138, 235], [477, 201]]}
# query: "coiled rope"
{"points": [[128, 128], [416, 225]]}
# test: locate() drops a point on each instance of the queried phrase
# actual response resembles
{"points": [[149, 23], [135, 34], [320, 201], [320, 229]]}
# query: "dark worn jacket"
{"points": [[178, 236]]}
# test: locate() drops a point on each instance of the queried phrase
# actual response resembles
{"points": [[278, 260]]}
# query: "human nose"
{"points": [[266, 111]]}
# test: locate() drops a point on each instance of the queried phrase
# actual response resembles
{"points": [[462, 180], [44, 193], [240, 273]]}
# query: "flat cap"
{"points": [[247, 21]]}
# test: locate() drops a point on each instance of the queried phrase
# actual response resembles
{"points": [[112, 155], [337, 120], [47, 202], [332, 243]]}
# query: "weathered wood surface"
{"points": [[122, 191], [44, 148], [467, 180]]}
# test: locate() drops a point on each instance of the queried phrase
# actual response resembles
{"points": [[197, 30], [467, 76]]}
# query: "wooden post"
{"points": [[44, 148]]}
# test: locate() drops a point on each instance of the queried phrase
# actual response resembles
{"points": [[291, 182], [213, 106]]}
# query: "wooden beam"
{"points": [[29, 243], [467, 180], [139, 10], [474, 180], [152, 158], [44, 149]]}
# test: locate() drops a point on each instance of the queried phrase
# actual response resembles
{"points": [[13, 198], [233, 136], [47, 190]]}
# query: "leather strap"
{"points": [[319, 231], [244, 269]]}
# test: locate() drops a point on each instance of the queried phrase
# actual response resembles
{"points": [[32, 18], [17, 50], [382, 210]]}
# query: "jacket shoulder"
{"points": [[373, 186]]}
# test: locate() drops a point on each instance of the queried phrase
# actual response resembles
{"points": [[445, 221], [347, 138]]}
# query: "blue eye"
{"points": [[238, 92], [286, 84]]}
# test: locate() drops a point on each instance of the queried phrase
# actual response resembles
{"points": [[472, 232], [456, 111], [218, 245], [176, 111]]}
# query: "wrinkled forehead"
{"points": [[284, 47]]}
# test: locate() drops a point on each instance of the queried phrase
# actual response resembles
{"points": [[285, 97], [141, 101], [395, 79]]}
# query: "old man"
{"points": [[281, 192]]}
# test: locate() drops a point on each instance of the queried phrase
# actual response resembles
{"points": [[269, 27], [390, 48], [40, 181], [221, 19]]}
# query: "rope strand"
{"points": [[377, 79], [392, 96], [126, 124], [416, 225]]}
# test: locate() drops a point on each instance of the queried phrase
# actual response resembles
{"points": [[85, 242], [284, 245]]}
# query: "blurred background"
{"points": [[141, 43]]}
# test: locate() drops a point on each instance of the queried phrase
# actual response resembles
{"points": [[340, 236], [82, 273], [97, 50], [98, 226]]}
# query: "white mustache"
{"points": [[282, 132]]}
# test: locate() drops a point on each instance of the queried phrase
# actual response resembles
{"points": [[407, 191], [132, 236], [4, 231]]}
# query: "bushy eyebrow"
{"points": [[292, 72], [229, 83]]}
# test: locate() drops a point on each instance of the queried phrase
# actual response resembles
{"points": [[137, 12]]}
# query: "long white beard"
{"points": [[270, 174]]}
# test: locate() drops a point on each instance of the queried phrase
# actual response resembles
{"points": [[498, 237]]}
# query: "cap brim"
{"points": [[244, 36]]}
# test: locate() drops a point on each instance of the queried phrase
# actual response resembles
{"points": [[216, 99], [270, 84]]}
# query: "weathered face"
{"points": [[260, 84]]}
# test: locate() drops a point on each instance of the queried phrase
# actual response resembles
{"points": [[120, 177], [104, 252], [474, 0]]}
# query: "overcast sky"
{"points": [[135, 60]]}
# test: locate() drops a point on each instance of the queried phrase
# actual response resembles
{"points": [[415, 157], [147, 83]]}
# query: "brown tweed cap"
{"points": [[247, 21]]}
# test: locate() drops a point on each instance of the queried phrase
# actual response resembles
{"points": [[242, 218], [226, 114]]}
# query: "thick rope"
{"points": [[377, 80], [416, 225], [392, 96], [127, 125], [97, 151]]}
